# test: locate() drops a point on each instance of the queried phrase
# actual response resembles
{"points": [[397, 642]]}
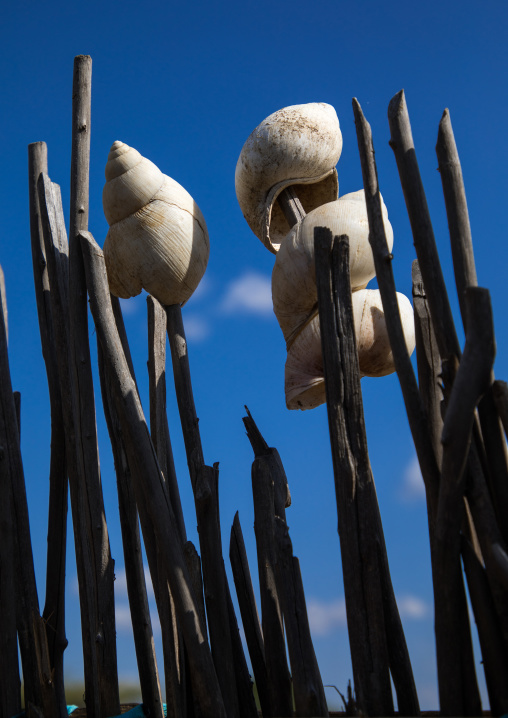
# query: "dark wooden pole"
{"points": [[39, 688], [472, 380], [204, 480], [159, 430], [382, 259], [428, 362], [402, 145], [148, 484], [54, 607], [465, 276], [83, 401], [249, 613], [133, 557], [308, 690], [360, 529], [57, 264], [10, 694]]}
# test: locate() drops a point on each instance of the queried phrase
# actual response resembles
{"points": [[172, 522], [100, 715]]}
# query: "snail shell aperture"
{"points": [[297, 146], [157, 240]]}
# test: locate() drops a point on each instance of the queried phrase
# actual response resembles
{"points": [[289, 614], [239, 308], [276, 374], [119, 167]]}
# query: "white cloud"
{"points": [[325, 616], [196, 329], [252, 293], [412, 607], [413, 488], [123, 619], [121, 584], [132, 305]]}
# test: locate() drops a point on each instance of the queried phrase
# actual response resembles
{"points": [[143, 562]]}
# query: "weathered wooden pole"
{"points": [[133, 556], [107, 703], [39, 688], [204, 480], [54, 607], [249, 613], [10, 684], [465, 276], [149, 484], [373, 650], [471, 382]]}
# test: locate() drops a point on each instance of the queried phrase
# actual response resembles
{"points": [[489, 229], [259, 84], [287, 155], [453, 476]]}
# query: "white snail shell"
{"points": [[297, 146], [294, 280], [157, 240], [304, 381]]}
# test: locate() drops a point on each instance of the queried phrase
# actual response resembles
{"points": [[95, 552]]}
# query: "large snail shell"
{"points": [[298, 146], [304, 381], [157, 240], [294, 280]]}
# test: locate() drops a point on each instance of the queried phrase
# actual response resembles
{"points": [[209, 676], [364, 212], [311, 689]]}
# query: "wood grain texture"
{"points": [[133, 556], [86, 447], [57, 264], [148, 484], [308, 691], [384, 273], [159, 429], [159, 432], [465, 276], [10, 684], [279, 679], [471, 381], [54, 605], [39, 690], [428, 362], [249, 612], [402, 144], [353, 481], [492, 644], [204, 480]]}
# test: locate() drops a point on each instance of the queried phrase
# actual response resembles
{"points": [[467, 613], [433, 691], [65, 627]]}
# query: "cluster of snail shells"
{"points": [[297, 146], [157, 238], [293, 279]]}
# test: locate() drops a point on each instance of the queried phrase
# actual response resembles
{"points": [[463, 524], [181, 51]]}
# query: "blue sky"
{"points": [[185, 85]]}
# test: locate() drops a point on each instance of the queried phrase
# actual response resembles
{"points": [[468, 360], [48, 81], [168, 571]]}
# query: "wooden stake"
{"points": [[472, 380], [204, 480], [108, 702], [402, 145], [465, 276], [57, 264], [279, 679], [54, 607], [249, 613], [360, 528], [10, 695], [133, 557], [149, 482], [39, 689], [159, 430], [308, 691], [417, 417], [428, 362]]}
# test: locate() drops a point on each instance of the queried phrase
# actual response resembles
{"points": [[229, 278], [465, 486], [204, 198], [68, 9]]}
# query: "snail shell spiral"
{"points": [[157, 239], [297, 146]]}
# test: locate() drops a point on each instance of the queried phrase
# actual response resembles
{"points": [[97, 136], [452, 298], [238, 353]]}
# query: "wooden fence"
{"points": [[456, 412]]}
